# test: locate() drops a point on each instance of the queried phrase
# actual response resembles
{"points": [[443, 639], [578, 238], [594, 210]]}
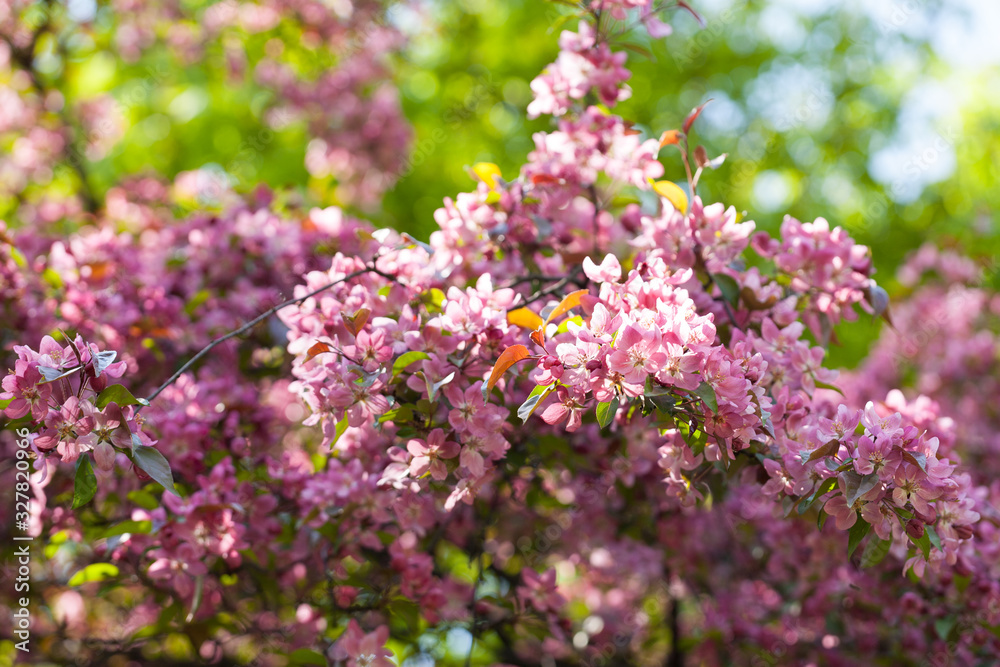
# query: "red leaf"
{"points": [[693, 116], [510, 356], [316, 350], [696, 15], [544, 179]]}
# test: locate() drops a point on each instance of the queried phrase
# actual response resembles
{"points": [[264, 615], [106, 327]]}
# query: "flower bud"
{"points": [[104, 456], [915, 529], [964, 532], [925, 518]]}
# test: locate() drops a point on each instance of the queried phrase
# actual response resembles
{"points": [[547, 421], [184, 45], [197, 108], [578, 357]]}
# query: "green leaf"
{"points": [[728, 286], [199, 298], [339, 430], [696, 440], [50, 276], [828, 485], [406, 359], [534, 398], [306, 656], [707, 394], [858, 532], [875, 551], [856, 486], [944, 626], [606, 411], [117, 393], [130, 527], [5, 402], [827, 385], [152, 462], [933, 537], [399, 414], [924, 543], [94, 572], [85, 484], [143, 499]]}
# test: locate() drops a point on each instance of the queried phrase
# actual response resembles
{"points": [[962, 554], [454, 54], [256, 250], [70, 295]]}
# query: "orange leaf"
{"points": [[317, 349], [670, 138], [510, 356], [571, 301], [539, 338], [525, 319], [355, 323]]}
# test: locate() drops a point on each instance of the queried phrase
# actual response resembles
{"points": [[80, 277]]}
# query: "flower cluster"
{"points": [[91, 419], [557, 424]]}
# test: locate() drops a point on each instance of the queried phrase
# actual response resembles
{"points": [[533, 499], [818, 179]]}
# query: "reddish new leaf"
{"points": [[693, 116], [355, 323], [317, 349], [510, 356]]}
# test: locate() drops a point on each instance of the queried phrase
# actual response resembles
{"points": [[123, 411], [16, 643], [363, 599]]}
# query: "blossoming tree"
{"points": [[568, 429]]}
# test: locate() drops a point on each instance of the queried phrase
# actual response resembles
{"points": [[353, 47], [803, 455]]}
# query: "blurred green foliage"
{"points": [[809, 104]]}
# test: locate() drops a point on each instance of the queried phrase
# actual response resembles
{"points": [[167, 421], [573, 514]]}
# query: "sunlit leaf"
{"points": [[355, 323], [317, 349], [508, 358], [534, 399], [406, 359], [524, 318], [487, 172], [672, 193], [571, 301], [117, 393], [670, 138], [606, 411], [94, 572]]}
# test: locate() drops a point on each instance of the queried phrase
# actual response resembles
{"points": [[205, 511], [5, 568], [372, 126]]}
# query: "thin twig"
{"points": [[551, 289], [252, 323]]}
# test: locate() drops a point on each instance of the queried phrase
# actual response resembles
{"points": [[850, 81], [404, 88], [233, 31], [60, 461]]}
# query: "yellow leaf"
{"points": [[487, 172], [510, 356], [525, 319], [571, 301], [672, 193]]}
